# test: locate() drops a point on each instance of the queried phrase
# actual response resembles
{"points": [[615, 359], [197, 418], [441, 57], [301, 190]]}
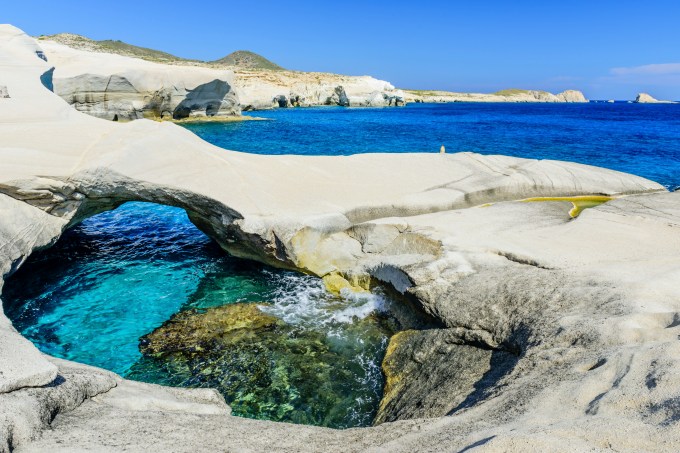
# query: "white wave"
{"points": [[303, 300]]}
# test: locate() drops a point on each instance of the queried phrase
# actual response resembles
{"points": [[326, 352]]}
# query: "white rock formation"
{"points": [[501, 96], [571, 96], [114, 86], [121, 88], [644, 98], [109, 85], [588, 307], [271, 89]]}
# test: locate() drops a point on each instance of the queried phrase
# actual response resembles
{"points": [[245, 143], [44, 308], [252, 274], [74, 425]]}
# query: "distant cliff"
{"points": [[115, 80], [85, 66], [511, 95]]}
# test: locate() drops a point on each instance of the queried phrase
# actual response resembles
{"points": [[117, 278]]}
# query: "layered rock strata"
{"points": [[561, 330]]}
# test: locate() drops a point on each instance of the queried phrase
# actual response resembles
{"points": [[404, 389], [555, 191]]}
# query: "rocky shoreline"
{"points": [[512, 95], [560, 331], [125, 86]]}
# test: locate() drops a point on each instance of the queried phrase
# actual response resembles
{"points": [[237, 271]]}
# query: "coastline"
{"points": [[214, 119], [566, 320]]}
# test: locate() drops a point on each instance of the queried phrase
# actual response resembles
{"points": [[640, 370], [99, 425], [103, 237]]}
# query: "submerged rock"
{"points": [[266, 368], [193, 332]]}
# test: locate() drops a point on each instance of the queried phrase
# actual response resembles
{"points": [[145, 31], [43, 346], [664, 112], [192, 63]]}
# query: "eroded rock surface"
{"points": [[433, 373], [261, 89], [122, 88], [588, 305]]}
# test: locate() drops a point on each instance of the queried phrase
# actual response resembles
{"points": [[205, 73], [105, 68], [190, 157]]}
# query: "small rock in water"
{"points": [[267, 368]]}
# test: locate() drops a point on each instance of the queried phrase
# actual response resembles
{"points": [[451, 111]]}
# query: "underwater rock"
{"points": [[191, 331], [264, 367]]}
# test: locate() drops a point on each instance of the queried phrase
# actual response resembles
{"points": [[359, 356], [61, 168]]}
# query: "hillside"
{"points": [[241, 59], [116, 47], [245, 59]]}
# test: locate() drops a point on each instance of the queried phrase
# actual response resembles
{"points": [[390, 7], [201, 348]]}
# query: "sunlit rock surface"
{"points": [[588, 306], [644, 98], [123, 88]]}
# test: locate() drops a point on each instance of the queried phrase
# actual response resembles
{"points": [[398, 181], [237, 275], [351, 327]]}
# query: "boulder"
{"points": [[3, 92]]}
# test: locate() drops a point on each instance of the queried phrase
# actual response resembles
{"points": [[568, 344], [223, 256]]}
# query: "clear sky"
{"points": [[606, 48]]}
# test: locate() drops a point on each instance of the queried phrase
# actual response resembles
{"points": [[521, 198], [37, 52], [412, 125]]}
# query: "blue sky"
{"points": [[608, 49]]}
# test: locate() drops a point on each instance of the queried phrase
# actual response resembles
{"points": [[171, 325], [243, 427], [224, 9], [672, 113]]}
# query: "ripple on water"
{"points": [[122, 274]]}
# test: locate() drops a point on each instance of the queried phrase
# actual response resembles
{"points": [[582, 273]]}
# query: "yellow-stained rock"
{"points": [[579, 203]]}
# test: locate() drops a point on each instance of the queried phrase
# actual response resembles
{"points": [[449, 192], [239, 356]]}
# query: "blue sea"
{"points": [[643, 139], [118, 276]]}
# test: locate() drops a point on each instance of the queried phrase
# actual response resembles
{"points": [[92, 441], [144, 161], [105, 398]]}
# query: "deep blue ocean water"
{"points": [[120, 275], [643, 139]]}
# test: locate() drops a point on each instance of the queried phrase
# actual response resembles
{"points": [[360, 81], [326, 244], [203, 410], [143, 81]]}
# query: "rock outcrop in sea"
{"points": [[550, 331], [644, 98]]}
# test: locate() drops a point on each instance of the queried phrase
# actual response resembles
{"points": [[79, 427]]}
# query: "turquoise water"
{"points": [[121, 275]]}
